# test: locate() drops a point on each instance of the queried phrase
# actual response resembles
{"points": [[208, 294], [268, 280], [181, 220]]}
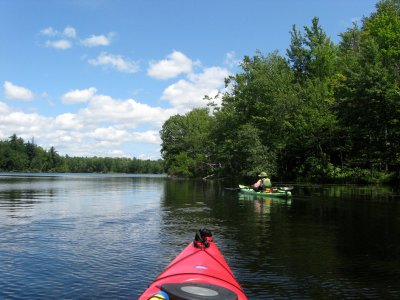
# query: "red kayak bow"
{"points": [[198, 272]]}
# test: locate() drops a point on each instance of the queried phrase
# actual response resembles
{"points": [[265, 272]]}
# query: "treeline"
{"points": [[16, 155], [324, 112]]}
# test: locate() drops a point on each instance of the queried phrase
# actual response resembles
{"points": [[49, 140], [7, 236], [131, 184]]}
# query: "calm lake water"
{"points": [[108, 236]]}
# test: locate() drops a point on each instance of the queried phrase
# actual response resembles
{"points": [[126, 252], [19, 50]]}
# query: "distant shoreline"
{"points": [[38, 174]]}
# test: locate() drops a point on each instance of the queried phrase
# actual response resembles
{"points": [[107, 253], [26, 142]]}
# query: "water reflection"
{"points": [[77, 236], [109, 236], [263, 204], [318, 244], [375, 193]]}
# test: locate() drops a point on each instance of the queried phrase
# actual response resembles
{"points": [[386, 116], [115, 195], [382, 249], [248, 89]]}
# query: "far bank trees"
{"points": [[323, 112], [16, 155]]}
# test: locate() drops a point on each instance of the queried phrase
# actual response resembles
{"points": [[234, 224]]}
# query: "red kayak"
{"points": [[198, 272]]}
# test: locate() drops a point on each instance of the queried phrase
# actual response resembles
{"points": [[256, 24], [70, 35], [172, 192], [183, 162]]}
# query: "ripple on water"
{"points": [[64, 257], [95, 238]]}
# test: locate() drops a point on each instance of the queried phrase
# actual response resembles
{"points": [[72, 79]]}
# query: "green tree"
{"points": [[182, 165], [16, 155], [247, 154], [254, 121], [312, 55], [368, 91], [314, 123], [322, 107], [187, 137], [384, 27]]}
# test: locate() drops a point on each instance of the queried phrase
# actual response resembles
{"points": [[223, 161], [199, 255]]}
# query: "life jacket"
{"points": [[266, 182]]}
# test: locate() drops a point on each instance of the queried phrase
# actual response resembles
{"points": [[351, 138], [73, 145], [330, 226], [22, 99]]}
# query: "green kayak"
{"points": [[283, 192]]}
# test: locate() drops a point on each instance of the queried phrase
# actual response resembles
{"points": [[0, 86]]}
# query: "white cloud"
{"points": [[79, 96], [115, 61], [187, 94], [175, 64], [128, 112], [4, 109], [87, 133], [59, 44], [118, 153], [96, 40], [231, 60], [113, 136], [110, 134], [49, 31], [69, 32], [150, 136], [12, 91], [22, 123], [68, 121]]}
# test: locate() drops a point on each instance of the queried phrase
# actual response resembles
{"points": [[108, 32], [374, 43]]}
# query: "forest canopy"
{"points": [[323, 112], [16, 155]]}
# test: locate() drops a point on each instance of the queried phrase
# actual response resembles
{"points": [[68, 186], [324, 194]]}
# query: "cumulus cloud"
{"points": [[187, 94], [68, 121], [96, 40], [149, 136], [110, 133], [12, 91], [22, 124], [59, 39], [69, 32], [4, 109], [78, 96], [117, 62], [64, 39], [105, 127], [59, 44], [175, 64], [116, 136], [49, 31], [231, 60], [129, 112]]}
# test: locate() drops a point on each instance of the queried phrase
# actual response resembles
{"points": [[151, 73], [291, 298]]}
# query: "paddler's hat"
{"points": [[263, 174]]}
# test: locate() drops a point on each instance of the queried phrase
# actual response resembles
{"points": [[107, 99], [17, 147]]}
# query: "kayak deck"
{"points": [[199, 271], [276, 193]]}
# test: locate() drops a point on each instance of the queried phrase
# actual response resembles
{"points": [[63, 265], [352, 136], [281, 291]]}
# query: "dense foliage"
{"points": [[324, 112], [16, 155]]}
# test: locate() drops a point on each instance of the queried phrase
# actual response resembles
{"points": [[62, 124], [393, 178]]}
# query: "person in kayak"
{"points": [[262, 183]]}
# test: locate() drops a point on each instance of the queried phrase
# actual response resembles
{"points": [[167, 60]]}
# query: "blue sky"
{"points": [[99, 78]]}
